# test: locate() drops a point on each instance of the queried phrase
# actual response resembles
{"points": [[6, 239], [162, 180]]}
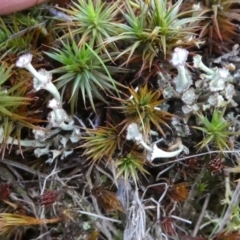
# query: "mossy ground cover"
{"points": [[120, 120]]}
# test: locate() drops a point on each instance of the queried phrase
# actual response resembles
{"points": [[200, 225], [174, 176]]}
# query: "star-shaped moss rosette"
{"points": [[144, 108], [85, 72], [101, 143], [130, 167], [216, 131]]}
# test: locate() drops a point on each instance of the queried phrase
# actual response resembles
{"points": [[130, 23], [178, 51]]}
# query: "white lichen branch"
{"points": [[42, 78], [134, 134]]}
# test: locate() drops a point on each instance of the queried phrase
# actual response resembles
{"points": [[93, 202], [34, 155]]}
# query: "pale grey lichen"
{"points": [[180, 127], [179, 57], [187, 109], [55, 153], [168, 92], [199, 83], [64, 140], [183, 80], [54, 104], [205, 107], [75, 135], [159, 153], [133, 132], [195, 107], [38, 152], [229, 91], [41, 134], [163, 79], [42, 78], [189, 96], [190, 108], [216, 100], [224, 73], [217, 85], [197, 63], [23, 143], [174, 150], [24, 61], [230, 55], [59, 118]]}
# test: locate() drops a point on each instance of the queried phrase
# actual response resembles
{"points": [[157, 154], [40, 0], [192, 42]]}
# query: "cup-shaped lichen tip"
{"points": [[24, 60], [179, 57]]}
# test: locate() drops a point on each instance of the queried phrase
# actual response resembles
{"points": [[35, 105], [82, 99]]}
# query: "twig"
{"points": [[53, 172], [99, 216], [23, 167], [196, 228], [104, 228], [136, 220], [105, 173], [188, 202]]}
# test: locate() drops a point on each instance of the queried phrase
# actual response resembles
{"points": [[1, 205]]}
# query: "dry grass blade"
{"points": [[10, 220]]}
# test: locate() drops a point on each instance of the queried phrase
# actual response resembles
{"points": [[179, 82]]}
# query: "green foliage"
{"points": [[152, 27], [234, 223], [14, 114], [216, 131], [83, 69], [130, 167], [101, 143], [202, 187], [143, 109], [11, 44], [171, 24], [93, 21], [20, 33]]}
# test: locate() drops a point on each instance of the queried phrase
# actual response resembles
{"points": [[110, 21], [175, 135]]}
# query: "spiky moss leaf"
{"points": [[84, 70], [14, 114], [93, 21], [136, 33], [143, 109], [152, 27], [8, 221], [12, 99], [20, 32], [173, 26], [101, 143], [130, 167], [216, 130], [218, 25]]}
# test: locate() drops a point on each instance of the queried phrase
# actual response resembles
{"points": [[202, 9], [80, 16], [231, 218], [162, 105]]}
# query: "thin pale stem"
{"points": [[234, 201], [197, 226]]}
